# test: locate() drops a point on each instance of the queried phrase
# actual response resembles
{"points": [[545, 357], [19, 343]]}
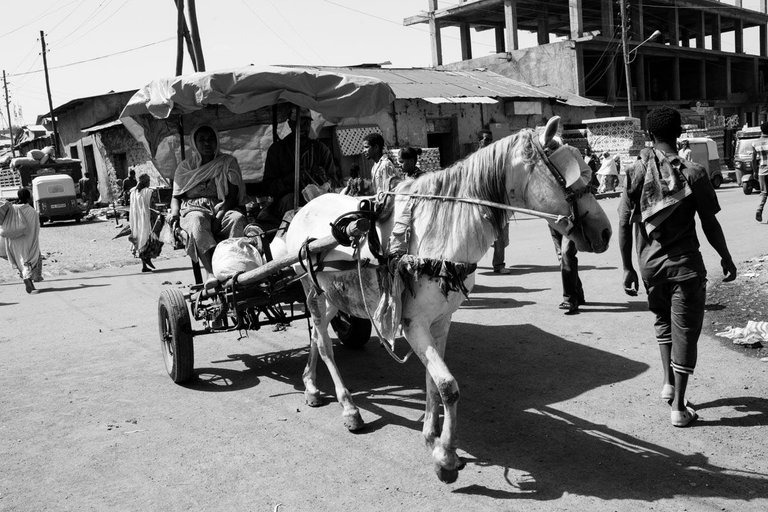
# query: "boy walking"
{"points": [[661, 199]]}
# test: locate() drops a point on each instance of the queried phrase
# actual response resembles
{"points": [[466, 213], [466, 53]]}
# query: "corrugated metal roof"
{"points": [[412, 83]]}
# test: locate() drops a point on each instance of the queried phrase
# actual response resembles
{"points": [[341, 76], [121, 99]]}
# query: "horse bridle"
{"points": [[571, 196]]}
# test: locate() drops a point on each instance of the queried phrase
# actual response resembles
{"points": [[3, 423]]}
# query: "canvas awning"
{"points": [[334, 95], [234, 101]]}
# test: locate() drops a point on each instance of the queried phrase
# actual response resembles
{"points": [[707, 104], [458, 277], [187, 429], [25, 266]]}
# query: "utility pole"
{"points": [[625, 52], [55, 141], [8, 109]]}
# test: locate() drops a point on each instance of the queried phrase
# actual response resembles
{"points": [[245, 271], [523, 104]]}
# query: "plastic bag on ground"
{"points": [[233, 256]]}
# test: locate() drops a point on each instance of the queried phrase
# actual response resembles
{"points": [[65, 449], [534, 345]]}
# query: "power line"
{"points": [[38, 18], [100, 57], [277, 34]]}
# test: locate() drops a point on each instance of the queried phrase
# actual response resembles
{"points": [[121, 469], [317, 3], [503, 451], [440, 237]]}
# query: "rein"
{"points": [[558, 219], [481, 202]]}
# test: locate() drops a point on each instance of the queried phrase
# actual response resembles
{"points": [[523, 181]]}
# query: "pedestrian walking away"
{"points": [[144, 233], [20, 239], [662, 198], [761, 154]]}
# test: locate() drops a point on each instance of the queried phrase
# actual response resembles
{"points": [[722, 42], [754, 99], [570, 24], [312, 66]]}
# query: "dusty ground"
{"points": [[70, 248], [734, 306]]}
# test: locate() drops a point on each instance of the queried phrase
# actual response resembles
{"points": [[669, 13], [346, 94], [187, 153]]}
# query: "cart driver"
{"points": [[316, 167], [207, 191]]}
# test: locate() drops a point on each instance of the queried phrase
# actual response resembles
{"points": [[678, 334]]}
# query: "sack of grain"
{"points": [[233, 256]]}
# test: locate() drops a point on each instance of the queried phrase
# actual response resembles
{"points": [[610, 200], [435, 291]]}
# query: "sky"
{"points": [[98, 46]]}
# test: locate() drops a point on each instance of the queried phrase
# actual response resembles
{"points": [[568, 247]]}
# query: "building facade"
{"points": [[711, 57]]}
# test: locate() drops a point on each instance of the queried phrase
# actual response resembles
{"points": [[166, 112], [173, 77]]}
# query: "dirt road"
{"points": [[556, 413]]}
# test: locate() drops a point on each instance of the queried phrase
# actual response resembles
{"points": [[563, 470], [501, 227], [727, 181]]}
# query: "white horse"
{"points": [[514, 171]]}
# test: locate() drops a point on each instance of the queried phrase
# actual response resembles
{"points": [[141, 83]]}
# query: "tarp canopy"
{"points": [[238, 103]]}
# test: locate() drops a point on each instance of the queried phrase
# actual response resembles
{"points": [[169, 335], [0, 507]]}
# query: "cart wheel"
{"points": [[717, 181], [353, 332], [747, 188], [175, 335]]}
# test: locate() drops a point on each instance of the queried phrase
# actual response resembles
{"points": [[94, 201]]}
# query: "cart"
{"points": [[270, 294]]}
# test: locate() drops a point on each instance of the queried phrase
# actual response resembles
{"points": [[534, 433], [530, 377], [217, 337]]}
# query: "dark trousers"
{"points": [[763, 180], [569, 268]]}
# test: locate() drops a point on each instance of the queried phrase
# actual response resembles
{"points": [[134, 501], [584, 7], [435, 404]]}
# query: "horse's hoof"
{"points": [[313, 399], [447, 476], [354, 422]]}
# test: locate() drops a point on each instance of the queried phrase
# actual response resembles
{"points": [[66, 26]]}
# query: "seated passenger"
{"points": [[207, 190], [316, 166]]}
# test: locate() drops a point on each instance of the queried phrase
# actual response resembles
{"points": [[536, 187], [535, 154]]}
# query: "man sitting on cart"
{"points": [[316, 168], [207, 190]]}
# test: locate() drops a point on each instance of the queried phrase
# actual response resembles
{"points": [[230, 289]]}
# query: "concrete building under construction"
{"points": [[709, 56]]}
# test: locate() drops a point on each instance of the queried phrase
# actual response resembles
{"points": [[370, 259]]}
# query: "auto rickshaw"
{"points": [[55, 199], [704, 152]]}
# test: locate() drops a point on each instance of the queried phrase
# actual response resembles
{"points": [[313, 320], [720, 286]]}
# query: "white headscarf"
{"points": [[223, 168]]}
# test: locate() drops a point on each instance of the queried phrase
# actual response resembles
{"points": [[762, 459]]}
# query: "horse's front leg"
{"points": [[447, 462], [322, 312], [431, 427]]}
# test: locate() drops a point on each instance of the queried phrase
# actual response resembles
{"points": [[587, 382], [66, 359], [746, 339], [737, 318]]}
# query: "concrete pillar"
{"points": [[739, 33], [638, 21], [608, 23], [574, 14], [685, 38], [673, 27], [499, 32], [755, 75], [676, 78], [610, 81], [542, 26], [640, 67], [510, 24], [728, 90], [466, 41], [702, 79], [700, 30], [764, 40], [434, 35], [717, 31]]}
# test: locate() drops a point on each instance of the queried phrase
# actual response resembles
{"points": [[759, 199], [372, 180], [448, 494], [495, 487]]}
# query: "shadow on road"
{"points": [[510, 378], [70, 288]]}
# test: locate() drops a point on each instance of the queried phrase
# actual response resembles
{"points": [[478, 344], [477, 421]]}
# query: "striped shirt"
{"points": [[761, 149]]}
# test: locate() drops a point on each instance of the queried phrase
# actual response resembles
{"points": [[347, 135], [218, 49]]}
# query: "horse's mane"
{"points": [[480, 175]]}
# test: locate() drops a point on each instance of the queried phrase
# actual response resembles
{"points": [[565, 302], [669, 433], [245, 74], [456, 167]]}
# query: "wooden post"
{"points": [[625, 51], [296, 159], [185, 32], [8, 109], [55, 141], [510, 24], [179, 37], [196, 36]]}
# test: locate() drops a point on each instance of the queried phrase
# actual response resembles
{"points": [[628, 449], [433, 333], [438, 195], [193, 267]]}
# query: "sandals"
{"points": [[569, 307], [683, 418]]}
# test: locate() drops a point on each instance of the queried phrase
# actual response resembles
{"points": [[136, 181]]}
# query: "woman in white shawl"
{"points": [[20, 238], [608, 174], [207, 190], [146, 245]]}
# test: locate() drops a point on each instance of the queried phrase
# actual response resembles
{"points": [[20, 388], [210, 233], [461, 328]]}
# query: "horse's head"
{"points": [[558, 183]]}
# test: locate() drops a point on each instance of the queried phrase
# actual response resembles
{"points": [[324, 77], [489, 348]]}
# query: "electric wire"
{"points": [[38, 18], [100, 57], [277, 34]]}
